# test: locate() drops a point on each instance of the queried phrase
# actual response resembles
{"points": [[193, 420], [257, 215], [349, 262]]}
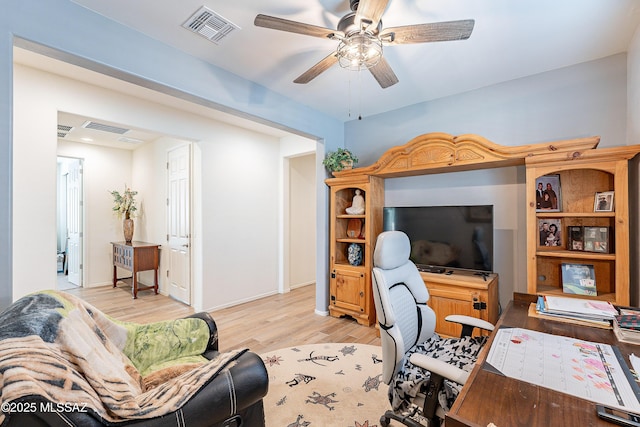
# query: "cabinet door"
{"points": [[452, 301], [347, 290]]}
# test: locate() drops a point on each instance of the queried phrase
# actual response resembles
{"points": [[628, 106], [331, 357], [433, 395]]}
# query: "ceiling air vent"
{"points": [[104, 127], [130, 140], [63, 130], [210, 25]]}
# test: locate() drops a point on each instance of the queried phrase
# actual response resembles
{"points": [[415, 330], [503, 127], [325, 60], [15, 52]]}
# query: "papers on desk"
{"points": [[589, 312], [626, 325], [587, 370]]}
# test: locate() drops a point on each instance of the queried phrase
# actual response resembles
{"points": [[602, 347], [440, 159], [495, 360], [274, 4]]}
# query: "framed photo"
{"points": [[596, 239], [575, 236], [578, 279], [550, 232], [603, 202], [548, 194]]}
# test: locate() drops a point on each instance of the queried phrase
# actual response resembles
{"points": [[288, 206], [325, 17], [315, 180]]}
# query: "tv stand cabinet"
{"points": [[462, 292]]}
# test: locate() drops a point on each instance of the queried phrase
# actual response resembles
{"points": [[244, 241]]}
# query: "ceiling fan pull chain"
{"points": [[349, 94], [360, 95]]}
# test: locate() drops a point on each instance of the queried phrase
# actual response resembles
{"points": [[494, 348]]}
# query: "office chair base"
{"points": [[413, 419]]}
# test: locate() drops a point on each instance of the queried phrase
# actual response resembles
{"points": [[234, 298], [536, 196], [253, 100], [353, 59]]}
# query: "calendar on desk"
{"points": [[588, 370]]}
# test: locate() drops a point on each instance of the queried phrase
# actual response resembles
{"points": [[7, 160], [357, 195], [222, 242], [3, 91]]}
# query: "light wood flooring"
{"points": [[264, 325]]}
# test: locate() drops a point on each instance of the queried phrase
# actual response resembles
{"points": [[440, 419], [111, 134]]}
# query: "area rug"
{"points": [[333, 385]]}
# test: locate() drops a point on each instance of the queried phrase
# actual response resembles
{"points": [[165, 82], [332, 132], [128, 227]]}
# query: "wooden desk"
{"points": [[491, 398], [135, 257]]}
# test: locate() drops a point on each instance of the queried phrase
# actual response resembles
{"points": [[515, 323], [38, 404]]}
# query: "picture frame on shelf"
{"points": [[575, 237], [597, 239], [578, 279], [550, 232], [603, 202], [548, 193]]}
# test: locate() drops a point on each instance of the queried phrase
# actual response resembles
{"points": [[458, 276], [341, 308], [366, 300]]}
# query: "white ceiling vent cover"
{"points": [[63, 130], [130, 140], [104, 127], [210, 25]]}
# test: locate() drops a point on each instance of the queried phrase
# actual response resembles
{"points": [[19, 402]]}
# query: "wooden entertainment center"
{"points": [[576, 161]]}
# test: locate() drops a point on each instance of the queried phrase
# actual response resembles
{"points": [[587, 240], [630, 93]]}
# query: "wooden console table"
{"points": [[491, 398], [135, 257]]}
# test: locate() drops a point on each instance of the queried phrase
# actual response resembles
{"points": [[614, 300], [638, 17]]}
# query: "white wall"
{"points": [[34, 189], [240, 217], [302, 224], [291, 148], [239, 173]]}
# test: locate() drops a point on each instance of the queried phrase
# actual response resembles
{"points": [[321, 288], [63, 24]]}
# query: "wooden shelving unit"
{"points": [[582, 174], [350, 285]]}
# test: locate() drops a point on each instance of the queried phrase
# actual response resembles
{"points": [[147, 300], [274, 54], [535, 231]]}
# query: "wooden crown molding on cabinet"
{"points": [[442, 152]]}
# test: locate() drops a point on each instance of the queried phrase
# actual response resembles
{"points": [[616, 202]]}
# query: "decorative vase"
{"points": [[127, 227], [354, 254]]}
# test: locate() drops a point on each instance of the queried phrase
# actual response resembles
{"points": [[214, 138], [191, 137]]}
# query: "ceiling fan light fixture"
{"points": [[359, 51]]}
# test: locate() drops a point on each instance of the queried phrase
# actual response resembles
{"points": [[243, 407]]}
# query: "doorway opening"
{"points": [[70, 219]]}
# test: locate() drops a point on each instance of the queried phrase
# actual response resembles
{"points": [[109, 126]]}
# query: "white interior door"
{"points": [[179, 215], [74, 222]]}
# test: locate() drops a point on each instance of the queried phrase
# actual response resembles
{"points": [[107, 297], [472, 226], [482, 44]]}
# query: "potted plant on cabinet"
{"points": [[338, 160], [125, 205]]}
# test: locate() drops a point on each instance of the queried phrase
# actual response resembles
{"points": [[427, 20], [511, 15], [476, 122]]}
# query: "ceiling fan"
{"points": [[361, 37]]}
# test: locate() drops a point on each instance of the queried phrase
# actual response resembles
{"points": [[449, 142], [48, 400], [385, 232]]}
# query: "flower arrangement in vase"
{"points": [[125, 205]]}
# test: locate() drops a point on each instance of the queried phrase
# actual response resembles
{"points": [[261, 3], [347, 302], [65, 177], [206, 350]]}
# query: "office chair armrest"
{"points": [[468, 323], [439, 367]]}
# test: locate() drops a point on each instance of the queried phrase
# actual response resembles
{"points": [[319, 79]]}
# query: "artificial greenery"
{"points": [[125, 203], [338, 160]]}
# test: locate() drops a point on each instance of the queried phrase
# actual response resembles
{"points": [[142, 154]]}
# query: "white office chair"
{"points": [[424, 371]]}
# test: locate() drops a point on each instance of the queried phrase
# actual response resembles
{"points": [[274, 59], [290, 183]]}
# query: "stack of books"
{"points": [[626, 325], [574, 310]]}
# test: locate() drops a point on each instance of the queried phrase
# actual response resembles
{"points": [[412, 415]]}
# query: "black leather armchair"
{"points": [[230, 399]]}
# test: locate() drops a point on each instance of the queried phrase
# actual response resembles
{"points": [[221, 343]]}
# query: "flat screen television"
{"points": [[446, 236]]}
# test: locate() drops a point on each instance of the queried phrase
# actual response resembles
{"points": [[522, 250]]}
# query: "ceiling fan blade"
{"points": [[383, 73], [294, 27], [317, 69], [423, 33], [371, 10]]}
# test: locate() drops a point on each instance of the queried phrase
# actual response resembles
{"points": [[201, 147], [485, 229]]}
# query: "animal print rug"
{"points": [[325, 385]]}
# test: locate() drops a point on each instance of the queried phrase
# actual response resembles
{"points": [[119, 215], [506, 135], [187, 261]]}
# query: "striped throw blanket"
{"points": [[57, 348]]}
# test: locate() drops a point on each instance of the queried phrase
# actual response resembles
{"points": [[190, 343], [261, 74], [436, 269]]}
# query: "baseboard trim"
{"points": [[241, 301], [300, 285]]}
